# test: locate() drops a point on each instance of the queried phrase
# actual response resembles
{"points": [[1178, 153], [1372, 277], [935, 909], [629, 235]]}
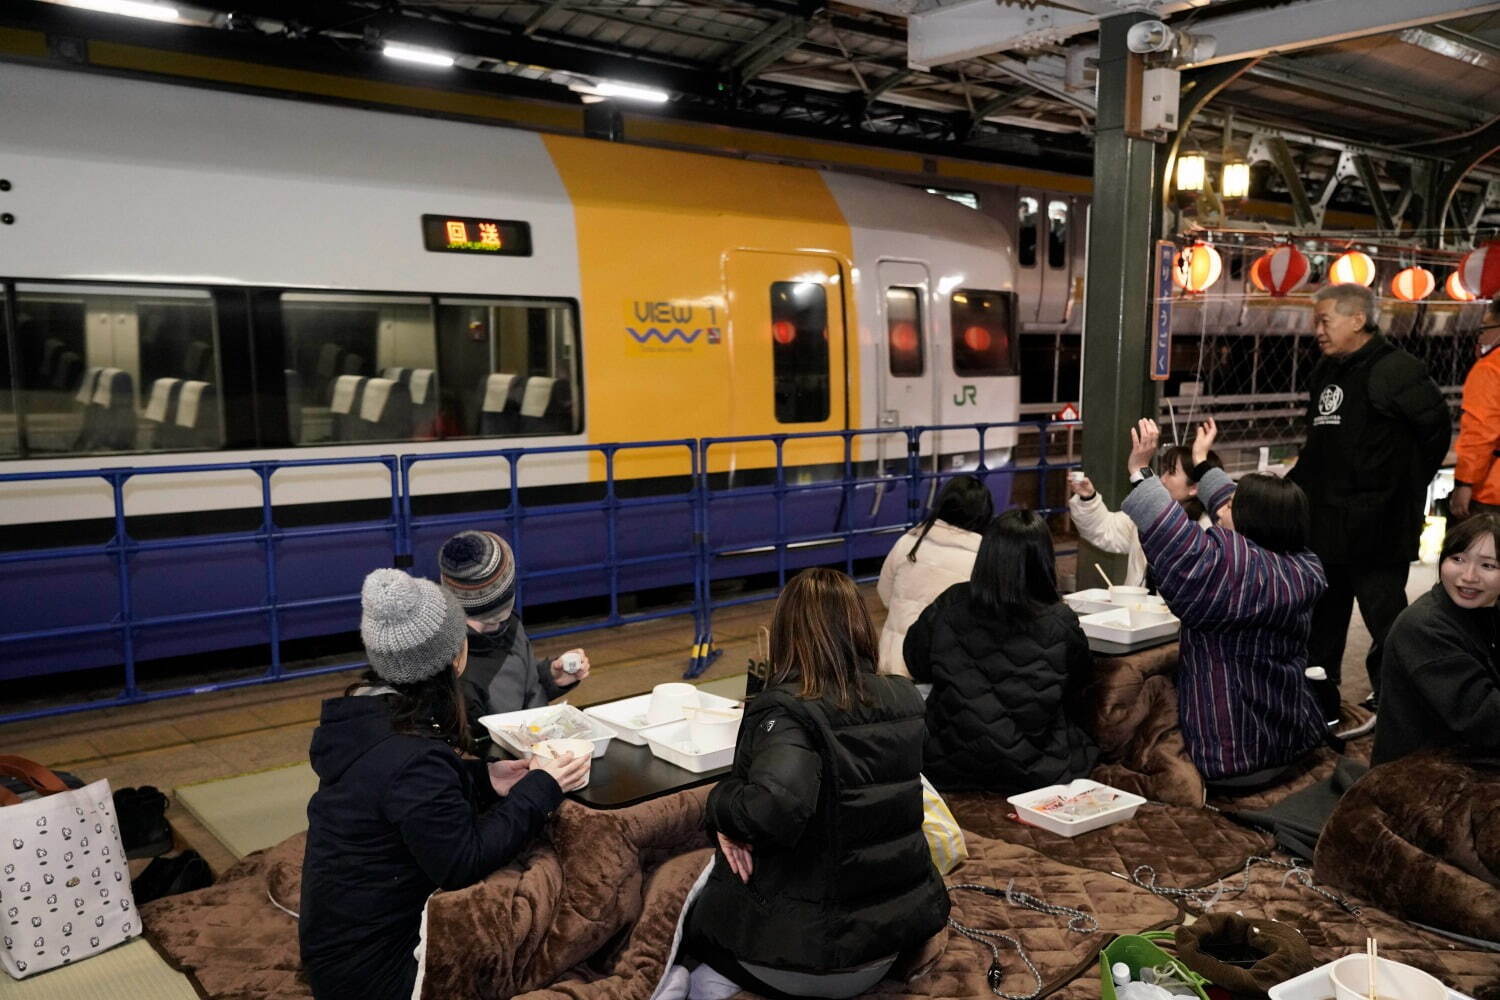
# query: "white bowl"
{"points": [[714, 726], [669, 700], [556, 748], [1393, 980], [1121, 594]]}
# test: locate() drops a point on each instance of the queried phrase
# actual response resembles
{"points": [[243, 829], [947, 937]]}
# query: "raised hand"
{"points": [[1207, 432], [1145, 436]]}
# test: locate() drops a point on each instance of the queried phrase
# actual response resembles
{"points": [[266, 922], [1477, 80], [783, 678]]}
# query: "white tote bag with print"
{"points": [[64, 881]]}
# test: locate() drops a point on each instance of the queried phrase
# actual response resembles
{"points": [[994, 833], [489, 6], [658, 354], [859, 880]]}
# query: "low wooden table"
{"points": [[628, 774]]}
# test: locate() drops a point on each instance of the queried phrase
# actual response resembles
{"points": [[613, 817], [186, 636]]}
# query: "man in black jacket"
{"points": [[1377, 431]]}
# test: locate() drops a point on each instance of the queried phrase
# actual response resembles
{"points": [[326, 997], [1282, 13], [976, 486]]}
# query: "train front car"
{"points": [[269, 345]]}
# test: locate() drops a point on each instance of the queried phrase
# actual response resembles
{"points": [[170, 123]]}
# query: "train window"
{"points": [[1027, 232], [903, 327], [10, 436], [1057, 234], [507, 367], [117, 369], [982, 342], [355, 366], [799, 351]]}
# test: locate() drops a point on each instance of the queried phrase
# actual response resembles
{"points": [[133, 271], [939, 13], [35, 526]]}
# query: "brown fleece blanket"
{"points": [[1132, 702], [589, 913], [1420, 837]]}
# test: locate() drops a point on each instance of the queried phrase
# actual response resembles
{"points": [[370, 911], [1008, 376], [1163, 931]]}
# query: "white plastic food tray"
{"points": [[602, 734], [1125, 809], [627, 717], [1089, 602], [666, 743], [1126, 626], [1316, 985]]}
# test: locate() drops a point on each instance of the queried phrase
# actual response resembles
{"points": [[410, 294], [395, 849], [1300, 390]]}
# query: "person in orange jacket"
{"points": [[1476, 486]]}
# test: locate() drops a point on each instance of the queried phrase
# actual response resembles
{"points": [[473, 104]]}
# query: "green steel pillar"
{"points": [[1123, 227]]}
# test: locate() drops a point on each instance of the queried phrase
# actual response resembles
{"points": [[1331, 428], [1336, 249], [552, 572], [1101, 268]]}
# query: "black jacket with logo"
{"points": [[831, 802], [1377, 430], [396, 816], [1003, 715]]}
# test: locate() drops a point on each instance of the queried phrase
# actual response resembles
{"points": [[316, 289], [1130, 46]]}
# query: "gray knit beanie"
{"points": [[412, 628]]}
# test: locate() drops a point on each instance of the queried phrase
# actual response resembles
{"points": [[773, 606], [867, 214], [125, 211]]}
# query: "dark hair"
{"points": [[965, 503], [821, 634], [1467, 532], [1180, 456], [434, 707], [1015, 572], [1271, 512]]}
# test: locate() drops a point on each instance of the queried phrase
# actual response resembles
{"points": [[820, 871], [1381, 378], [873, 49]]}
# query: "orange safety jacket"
{"points": [[1479, 430]]}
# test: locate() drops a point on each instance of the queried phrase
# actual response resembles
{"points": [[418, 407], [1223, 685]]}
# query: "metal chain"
{"points": [[1079, 922], [1144, 876]]}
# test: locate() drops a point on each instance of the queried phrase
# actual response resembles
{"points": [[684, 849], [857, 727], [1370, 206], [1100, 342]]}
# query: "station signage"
{"points": [[488, 237], [1161, 328]]}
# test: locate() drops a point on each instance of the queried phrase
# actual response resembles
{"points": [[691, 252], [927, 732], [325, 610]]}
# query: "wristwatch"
{"points": [[1141, 474]]}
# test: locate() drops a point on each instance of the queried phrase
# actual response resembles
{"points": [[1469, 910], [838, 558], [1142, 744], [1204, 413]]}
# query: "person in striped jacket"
{"points": [[1244, 590]]}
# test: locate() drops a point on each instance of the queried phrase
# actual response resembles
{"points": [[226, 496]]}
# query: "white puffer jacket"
{"points": [[906, 588]]}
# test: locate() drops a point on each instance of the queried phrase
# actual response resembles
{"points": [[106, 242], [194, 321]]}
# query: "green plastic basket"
{"points": [[1139, 951]]}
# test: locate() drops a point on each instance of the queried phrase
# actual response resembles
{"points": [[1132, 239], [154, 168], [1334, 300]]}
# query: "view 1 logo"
{"points": [[656, 327]]}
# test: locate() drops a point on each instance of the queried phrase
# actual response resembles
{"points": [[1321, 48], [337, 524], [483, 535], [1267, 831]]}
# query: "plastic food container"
{"points": [[675, 745], [628, 716], [1127, 625], [499, 724], [1393, 980], [668, 700], [1123, 808], [713, 726], [1088, 602], [556, 748], [1121, 594], [1318, 984]]}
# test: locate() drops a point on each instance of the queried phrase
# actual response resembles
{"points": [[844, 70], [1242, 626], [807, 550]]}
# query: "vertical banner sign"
{"points": [[1161, 331]]}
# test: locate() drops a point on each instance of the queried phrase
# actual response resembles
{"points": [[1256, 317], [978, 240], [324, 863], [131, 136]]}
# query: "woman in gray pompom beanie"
{"points": [[411, 628]]}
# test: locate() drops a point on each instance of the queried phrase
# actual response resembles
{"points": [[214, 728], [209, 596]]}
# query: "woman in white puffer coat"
{"points": [[929, 559]]}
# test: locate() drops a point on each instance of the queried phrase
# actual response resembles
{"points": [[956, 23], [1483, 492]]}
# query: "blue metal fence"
{"points": [[724, 527]]}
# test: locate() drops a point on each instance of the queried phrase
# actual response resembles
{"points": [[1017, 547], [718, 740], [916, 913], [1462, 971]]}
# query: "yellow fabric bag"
{"points": [[945, 840]]}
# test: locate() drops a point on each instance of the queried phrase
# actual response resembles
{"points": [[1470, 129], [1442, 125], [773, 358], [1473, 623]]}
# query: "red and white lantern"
{"points": [[1454, 286], [1258, 272], [1352, 268], [1480, 271], [1413, 284], [1286, 270], [1197, 268]]}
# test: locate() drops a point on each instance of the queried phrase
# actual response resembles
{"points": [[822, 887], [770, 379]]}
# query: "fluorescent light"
{"points": [[426, 57], [1236, 180], [632, 92], [129, 8], [1190, 168]]}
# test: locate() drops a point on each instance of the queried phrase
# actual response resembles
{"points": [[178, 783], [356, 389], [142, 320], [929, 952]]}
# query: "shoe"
{"points": [[1359, 730], [1371, 702], [142, 816], [170, 876]]}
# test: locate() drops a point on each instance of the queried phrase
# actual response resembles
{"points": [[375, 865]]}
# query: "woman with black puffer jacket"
{"points": [[1006, 658]]}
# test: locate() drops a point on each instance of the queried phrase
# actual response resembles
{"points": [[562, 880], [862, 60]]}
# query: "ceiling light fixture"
{"points": [[129, 8], [623, 91], [422, 57]]}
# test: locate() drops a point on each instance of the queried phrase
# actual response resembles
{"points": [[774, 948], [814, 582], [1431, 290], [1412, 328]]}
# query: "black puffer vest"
{"points": [[859, 885]]}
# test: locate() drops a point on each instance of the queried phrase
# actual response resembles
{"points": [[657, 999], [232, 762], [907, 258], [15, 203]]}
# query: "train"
{"points": [[197, 278]]}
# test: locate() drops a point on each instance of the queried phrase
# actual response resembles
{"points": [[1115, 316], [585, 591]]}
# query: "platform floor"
{"points": [[223, 734]]}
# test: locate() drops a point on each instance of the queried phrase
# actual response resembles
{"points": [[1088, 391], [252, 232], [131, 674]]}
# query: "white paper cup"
{"points": [[1393, 980], [552, 749], [668, 701], [572, 662], [1075, 476], [713, 727], [1121, 594]]}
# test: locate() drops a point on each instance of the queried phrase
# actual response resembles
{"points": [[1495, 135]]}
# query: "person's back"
{"points": [[929, 559]]}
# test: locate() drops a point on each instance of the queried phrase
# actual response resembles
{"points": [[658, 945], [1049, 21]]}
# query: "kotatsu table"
{"points": [[627, 775]]}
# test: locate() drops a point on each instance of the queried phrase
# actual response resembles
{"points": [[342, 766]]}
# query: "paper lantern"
{"points": [[1413, 284], [1197, 267], [1480, 271], [1454, 286], [1353, 268], [1258, 275], [1286, 270]]}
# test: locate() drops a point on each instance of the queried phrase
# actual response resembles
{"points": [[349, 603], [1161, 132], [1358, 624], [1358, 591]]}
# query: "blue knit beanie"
{"points": [[411, 628]]}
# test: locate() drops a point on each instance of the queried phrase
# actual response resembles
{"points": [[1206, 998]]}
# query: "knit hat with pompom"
{"points": [[412, 628]]}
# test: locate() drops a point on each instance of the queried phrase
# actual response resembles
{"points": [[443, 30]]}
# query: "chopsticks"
{"points": [[1372, 949], [1103, 574]]}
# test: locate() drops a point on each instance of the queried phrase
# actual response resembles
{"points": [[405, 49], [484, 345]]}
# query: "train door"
{"points": [[1053, 257], [1030, 257], [904, 340]]}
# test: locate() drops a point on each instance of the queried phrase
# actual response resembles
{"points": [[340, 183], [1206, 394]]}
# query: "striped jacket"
{"points": [[1243, 701]]}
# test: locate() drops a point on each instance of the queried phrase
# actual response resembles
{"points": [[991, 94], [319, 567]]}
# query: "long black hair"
{"points": [[964, 502], [1015, 573], [1272, 512], [432, 707]]}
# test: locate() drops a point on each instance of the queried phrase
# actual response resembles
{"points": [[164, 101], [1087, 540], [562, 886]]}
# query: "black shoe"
{"points": [[170, 876], [142, 815]]}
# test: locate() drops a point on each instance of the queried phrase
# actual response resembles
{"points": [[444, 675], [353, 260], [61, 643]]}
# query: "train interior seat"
{"points": [[500, 403], [385, 411], [546, 406], [294, 404], [345, 405], [161, 410], [330, 360], [107, 396], [198, 362], [354, 364]]}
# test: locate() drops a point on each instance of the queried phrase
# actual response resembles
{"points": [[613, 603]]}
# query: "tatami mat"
{"points": [[132, 971], [253, 811]]}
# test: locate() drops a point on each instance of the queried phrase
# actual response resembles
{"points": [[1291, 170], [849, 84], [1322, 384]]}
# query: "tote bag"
{"points": [[64, 881], [945, 840]]}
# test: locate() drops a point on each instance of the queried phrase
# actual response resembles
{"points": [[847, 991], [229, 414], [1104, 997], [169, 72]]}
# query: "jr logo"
{"points": [[966, 396]]}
